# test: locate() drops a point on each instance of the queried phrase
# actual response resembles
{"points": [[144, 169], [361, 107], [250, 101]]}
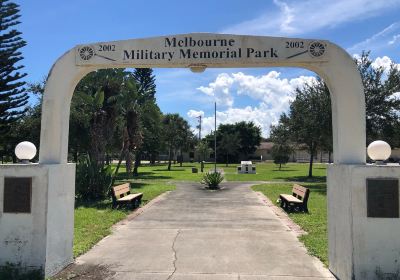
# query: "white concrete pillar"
{"points": [[360, 247], [42, 239]]}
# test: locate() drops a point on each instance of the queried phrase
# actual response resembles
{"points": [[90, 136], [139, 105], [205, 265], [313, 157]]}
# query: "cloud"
{"points": [[195, 114], [383, 41], [269, 88], [220, 89], [299, 17], [261, 115], [384, 62], [273, 93], [395, 38]]}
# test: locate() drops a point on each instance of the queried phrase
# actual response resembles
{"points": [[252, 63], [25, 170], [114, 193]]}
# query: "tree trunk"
{"points": [[169, 159], [121, 155], [128, 162], [280, 166], [329, 157], [138, 158], [153, 158], [227, 155], [311, 161]]}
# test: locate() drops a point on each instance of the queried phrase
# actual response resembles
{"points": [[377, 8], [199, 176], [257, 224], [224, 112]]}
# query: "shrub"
{"points": [[212, 179], [93, 182]]}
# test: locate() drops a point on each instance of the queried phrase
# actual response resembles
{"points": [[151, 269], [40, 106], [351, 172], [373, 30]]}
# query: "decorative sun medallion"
{"points": [[317, 49], [86, 52]]}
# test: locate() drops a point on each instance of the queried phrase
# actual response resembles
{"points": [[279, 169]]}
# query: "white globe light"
{"points": [[25, 151], [379, 150]]}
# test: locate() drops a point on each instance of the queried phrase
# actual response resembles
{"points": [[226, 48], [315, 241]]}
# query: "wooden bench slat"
{"points": [[299, 190], [130, 197], [291, 198], [121, 189]]}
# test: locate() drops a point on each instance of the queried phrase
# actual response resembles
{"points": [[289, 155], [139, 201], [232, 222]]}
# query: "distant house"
{"points": [[300, 153], [395, 156], [263, 150]]}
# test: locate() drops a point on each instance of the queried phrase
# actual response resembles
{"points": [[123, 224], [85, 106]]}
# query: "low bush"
{"points": [[93, 182], [212, 179]]}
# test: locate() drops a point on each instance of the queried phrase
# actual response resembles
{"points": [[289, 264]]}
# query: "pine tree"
{"points": [[150, 116], [13, 97], [146, 84]]}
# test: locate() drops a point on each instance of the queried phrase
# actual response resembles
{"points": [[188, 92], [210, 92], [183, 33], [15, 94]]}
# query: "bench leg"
{"points": [[285, 205], [137, 203]]}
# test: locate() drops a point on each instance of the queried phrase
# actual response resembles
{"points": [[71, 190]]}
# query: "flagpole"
{"points": [[215, 137]]}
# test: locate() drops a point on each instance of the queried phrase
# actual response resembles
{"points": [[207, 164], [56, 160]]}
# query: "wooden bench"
{"points": [[121, 194], [297, 200]]}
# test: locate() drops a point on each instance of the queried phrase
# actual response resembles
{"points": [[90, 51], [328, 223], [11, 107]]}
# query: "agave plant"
{"points": [[212, 179]]}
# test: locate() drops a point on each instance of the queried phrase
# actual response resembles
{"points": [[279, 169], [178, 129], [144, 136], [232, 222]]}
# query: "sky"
{"points": [[260, 95]]}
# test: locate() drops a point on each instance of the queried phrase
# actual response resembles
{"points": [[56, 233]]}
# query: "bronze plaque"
{"points": [[383, 198], [17, 195]]}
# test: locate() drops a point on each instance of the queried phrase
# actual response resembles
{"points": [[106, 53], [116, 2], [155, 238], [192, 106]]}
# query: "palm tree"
{"points": [[176, 131], [127, 104]]}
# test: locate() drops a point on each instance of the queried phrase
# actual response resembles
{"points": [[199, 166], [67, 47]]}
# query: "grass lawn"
{"points": [[93, 221], [160, 172], [270, 172], [314, 223], [265, 172]]}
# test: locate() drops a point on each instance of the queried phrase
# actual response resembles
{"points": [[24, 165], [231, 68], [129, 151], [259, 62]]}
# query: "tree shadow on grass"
{"points": [[305, 179], [319, 167], [142, 175], [185, 166], [172, 169], [138, 185], [99, 205], [317, 188]]}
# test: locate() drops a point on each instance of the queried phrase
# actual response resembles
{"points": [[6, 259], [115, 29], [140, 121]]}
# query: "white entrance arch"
{"points": [[358, 247], [326, 59]]}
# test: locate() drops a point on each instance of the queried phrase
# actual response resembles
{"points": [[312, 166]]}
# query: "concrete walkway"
{"points": [[193, 233]]}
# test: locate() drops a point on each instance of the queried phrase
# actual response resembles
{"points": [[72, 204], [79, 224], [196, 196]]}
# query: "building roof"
{"points": [[265, 146]]}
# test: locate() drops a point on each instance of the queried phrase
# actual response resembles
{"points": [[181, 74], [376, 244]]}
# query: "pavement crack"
{"points": [[175, 255]]}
